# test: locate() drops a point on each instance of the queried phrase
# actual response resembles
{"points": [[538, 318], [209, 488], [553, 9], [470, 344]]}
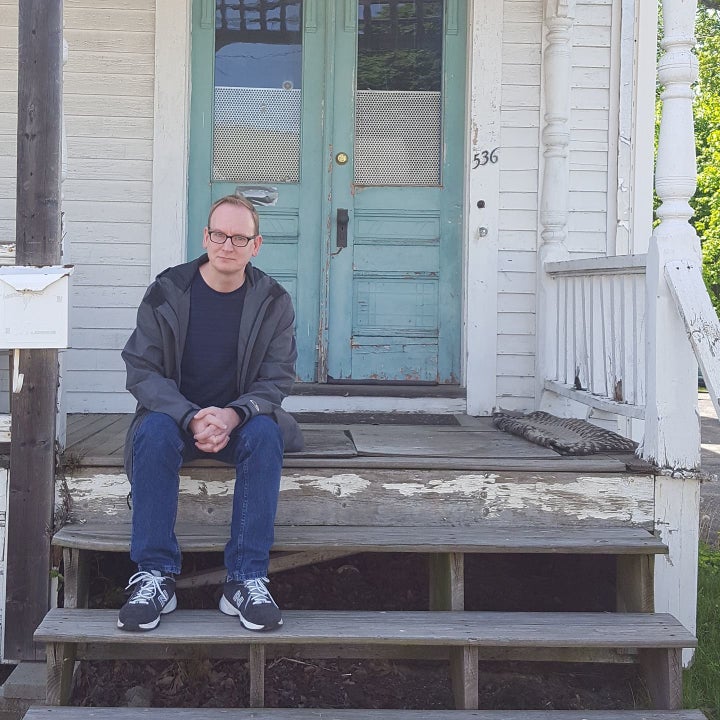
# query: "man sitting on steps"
{"points": [[210, 360]]}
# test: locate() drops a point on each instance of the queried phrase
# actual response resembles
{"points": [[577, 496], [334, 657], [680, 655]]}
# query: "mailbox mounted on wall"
{"points": [[34, 307]]}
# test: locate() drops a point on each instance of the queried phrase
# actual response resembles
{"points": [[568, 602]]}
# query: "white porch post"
{"points": [[482, 209], [559, 19], [672, 426]]}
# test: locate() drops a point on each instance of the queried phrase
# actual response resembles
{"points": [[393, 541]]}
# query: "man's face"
{"points": [[227, 258]]}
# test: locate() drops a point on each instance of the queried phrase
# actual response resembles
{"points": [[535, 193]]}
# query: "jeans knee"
{"points": [[263, 432], [157, 431]]}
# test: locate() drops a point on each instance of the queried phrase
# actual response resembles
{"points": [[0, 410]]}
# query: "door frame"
{"points": [[482, 129]]}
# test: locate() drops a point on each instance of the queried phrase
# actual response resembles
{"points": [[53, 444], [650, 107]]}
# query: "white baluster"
{"points": [[559, 19]]}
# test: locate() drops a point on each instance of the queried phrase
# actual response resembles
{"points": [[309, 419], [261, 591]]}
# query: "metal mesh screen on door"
{"points": [[256, 135], [397, 137]]}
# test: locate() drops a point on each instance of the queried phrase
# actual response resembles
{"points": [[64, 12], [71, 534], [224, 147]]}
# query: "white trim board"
{"points": [[332, 403], [482, 225], [171, 134]]}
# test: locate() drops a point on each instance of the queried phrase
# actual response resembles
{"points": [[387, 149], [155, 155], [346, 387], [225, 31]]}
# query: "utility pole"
{"points": [[38, 243]]}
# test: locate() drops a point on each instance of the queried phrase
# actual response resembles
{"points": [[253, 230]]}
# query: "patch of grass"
{"points": [[702, 681]]}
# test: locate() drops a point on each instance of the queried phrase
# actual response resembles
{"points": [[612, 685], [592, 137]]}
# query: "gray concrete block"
{"points": [[26, 682]]}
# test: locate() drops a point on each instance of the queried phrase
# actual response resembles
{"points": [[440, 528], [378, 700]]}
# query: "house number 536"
{"points": [[485, 157]]}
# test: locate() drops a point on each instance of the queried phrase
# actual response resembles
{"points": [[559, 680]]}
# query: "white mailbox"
{"points": [[34, 306]]}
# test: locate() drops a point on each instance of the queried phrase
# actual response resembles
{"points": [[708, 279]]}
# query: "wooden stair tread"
{"points": [[486, 539], [125, 713], [490, 629]]}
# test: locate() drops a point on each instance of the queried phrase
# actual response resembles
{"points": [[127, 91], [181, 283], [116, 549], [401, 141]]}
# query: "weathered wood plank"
{"points": [[635, 583], [464, 675], [662, 672], [38, 222], [427, 441], [60, 664], [447, 581], [394, 498], [121, 713], [75, 572], [506, 629], [332, 650], [104, 437], [111, 438], [584, 464], [210, 538], [701, 321], [256, 663], [278, 563], [82, 428]]}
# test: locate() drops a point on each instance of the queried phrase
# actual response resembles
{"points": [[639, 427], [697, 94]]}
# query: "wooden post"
{"points": [[672, 424], [447, 581], [32, 449], [554, 199]]}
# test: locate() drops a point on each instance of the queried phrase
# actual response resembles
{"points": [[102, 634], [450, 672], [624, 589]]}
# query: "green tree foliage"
{"points": [[707, 138]]}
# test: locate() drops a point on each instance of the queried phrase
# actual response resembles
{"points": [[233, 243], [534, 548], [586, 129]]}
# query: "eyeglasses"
{"points": [[219, 237]]}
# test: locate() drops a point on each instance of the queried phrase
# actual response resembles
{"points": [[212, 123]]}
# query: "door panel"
{"points": [[256, 128], [281, 90], [394, 304]]}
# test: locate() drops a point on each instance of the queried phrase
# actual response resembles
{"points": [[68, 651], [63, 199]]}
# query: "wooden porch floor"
{"points": [[457, 442]]}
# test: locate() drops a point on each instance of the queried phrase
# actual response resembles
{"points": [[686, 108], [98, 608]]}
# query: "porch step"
{"points": [[658, 639], [633, 548], [301, 627], [124, 713], [197, 537]]}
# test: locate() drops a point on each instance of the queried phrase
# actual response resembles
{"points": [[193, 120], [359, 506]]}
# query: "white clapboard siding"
{"points": [[108, 96], [523, 31], [590, 115], [518, 218], [4, 428]]}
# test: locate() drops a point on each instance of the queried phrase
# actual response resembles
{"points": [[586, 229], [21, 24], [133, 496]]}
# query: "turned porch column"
{"points": [[672, 427], [559, 19]]}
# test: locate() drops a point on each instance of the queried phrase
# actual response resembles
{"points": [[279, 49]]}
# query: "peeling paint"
{"points": [[342, 485], [578, 498], [118, 486]]}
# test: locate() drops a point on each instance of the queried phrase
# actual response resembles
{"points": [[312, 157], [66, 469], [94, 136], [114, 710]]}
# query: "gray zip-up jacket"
{"points": [[265, 372]]}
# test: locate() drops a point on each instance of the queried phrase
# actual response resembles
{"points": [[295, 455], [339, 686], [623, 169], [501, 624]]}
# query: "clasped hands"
{"points": [[211, 428]]}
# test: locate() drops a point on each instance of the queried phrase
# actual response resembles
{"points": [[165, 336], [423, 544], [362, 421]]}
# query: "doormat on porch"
{"points": [[567, 436]]}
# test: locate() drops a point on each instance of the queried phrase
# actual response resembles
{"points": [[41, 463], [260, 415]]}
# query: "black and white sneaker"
{"points": [[251, 601], [153, 596]]}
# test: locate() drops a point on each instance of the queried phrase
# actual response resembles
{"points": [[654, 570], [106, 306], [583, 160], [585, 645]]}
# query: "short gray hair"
{"points": [[238, 200]]}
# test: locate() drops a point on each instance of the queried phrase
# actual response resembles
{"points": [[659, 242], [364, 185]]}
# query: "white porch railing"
{"points": [[598, 356]]}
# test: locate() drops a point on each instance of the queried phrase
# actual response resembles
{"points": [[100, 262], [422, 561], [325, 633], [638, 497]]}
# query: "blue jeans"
{"points": [[159, 449]]}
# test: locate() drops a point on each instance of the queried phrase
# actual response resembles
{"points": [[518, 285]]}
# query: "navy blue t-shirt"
{"points": [[210, 358]]}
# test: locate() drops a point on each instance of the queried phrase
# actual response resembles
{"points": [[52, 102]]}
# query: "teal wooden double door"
{"points": [[343, 120]]}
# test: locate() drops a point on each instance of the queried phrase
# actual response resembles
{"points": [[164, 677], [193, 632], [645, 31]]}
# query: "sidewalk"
{"points": [[710, 490]]}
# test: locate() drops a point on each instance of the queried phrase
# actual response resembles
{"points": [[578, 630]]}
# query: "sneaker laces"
{"points": [[149, 588], [259, 594]]}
